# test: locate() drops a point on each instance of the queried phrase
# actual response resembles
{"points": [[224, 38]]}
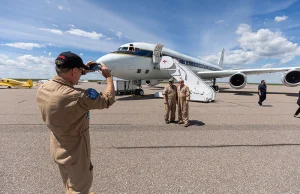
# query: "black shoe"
{"points": [[172, 121], [295, 115], [259, 103], [167, 122]]}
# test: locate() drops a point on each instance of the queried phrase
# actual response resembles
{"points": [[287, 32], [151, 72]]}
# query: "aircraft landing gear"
{"points": [[214, 86], [139, 91]]}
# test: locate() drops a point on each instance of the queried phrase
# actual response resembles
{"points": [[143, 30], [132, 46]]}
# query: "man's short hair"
{"points": [[62, 70], [262, 81]]}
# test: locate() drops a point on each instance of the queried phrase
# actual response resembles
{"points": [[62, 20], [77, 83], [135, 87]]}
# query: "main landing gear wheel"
{"points": [[216, 88], [139, 92]]}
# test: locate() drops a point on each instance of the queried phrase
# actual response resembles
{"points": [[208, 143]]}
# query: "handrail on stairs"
{"points": [[211, 89]]}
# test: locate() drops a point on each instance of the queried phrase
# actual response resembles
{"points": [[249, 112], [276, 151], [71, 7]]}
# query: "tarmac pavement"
{"points": [[232, 146]]}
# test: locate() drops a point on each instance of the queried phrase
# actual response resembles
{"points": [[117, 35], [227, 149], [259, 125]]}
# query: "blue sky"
{"points": [[254, 33]]}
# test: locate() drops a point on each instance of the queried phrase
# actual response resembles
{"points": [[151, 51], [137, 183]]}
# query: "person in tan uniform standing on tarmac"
{"points": [[170, 100], [183, 92], [65, 111]]}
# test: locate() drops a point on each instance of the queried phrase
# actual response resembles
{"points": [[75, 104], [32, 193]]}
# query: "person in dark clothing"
{"points": [[262, 92], [298, 110]]}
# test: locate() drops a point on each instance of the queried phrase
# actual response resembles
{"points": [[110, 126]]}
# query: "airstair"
{"points": [[200, 91]]}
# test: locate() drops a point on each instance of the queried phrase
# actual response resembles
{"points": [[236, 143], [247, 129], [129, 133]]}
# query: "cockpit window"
{"points": [[124, 49], [134, 51]]}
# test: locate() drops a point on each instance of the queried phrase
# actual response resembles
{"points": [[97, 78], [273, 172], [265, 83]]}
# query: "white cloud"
{"points": [[54, 25], [91, 35], [218, 22], [3, 56], [49, 54], [51, 44], [81, 54], [280, 18], [63, 8], [48, 2], [54, 31], [23, 45], [108, 38], [71, 26], [12, 63], [269, 65], [233, 57], [21, 30], [28, 46], [266, 43], [119, 34], [259, 45], [243, 28], [26, 65]]}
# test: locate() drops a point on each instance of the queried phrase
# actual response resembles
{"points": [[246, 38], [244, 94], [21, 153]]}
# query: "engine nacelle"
{"points": [[291, 78], [238, 80], [152, 82]]}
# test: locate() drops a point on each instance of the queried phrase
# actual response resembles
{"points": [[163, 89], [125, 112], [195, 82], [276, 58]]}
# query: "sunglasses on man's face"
{"points": [[82, 71]]}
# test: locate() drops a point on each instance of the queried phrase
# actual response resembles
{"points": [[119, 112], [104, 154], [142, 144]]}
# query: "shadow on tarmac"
{"points": [[134, 97], [266, 105], [251, 93], [196, 123], [211, 146]]}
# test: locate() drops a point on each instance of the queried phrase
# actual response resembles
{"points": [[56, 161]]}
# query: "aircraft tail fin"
{"points": [[220, 63], [29, 83]]}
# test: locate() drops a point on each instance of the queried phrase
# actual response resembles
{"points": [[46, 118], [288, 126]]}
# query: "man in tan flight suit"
{"points": [[65, 111], [183, 92], [170, 100]]}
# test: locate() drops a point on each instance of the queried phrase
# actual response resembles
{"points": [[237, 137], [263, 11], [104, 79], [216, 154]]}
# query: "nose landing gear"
{"points": [[139, 92]]}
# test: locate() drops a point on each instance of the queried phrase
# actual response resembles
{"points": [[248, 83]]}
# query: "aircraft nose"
{"points": [[108, 60]]}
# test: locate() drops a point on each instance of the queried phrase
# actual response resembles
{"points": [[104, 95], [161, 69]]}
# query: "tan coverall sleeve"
{"points": [[165, 93], [187, 93], [102, 101]]}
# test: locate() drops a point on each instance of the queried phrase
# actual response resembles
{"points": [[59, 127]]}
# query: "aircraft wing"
{"points": [[228, 73], [5, 84]]}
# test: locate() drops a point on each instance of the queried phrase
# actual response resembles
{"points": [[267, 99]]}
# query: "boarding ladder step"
{"points": [[200, 91]]}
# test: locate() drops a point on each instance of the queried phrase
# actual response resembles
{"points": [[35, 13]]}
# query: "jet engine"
{"points": [[238, 80], [152, 82], [291, 78]]}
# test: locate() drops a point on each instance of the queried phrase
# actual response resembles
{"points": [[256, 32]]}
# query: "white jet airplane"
{"points": [[140, 62]]}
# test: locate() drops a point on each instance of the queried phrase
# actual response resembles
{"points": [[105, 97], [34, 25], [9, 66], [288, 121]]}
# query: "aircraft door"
{"points": [[157, 54]]}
